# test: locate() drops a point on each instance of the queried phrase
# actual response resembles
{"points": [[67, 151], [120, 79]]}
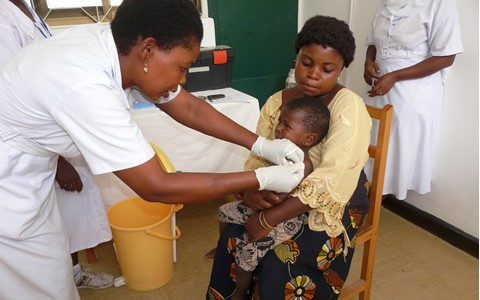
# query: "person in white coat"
{"points": [[410, 44], [79, 199], [65, 95]]}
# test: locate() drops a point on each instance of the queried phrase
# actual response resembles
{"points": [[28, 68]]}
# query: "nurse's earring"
{"points": [[145, 67]]}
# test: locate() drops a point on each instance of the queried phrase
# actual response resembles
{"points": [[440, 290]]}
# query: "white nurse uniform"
{"points": [[83, 213], [424, 28], [65, 99]]}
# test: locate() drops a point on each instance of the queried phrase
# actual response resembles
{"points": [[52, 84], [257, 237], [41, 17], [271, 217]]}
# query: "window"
{"points": [[69, 12]]}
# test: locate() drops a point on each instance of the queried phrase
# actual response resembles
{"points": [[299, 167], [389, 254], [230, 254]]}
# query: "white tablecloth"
{"points": [[189, 150]]}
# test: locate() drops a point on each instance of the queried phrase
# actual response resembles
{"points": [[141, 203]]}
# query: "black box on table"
{"points": [[212, 69]]}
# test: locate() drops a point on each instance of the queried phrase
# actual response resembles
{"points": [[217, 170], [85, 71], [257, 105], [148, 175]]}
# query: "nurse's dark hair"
{"points": [[317, 115], [171, 22], [328, 32]]}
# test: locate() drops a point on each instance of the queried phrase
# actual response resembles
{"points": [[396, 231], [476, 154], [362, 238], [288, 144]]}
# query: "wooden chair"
{"points": [[167, 167], [368, 232]]}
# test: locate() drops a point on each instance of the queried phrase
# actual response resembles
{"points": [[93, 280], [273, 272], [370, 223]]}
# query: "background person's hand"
{"points": [[280, 151], [280, 179], [67, 177], [371, 72], [383, 85]]}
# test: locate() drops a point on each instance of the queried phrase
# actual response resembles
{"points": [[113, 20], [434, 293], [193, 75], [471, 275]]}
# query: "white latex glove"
{"points": [[280, 152], [281, 179]]}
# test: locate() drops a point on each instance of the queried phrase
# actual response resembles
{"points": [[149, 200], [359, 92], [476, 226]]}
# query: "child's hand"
{"points": [[255, 231], [239, 196], [260, 200]]}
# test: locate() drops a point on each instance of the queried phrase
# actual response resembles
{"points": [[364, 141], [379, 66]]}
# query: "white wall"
{"points": [[454, 197], [339, 9]]}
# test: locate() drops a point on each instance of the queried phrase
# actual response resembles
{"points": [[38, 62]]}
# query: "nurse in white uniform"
{"points": [[410, 44], [65, 95], [82, 210], [17, 30]]}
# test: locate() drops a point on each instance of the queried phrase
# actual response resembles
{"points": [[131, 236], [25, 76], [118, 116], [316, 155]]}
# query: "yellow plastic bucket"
{"points": [[143, 235]]}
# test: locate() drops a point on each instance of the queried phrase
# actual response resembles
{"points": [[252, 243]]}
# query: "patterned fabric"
{"points": [[310, 265], [249, 254]]}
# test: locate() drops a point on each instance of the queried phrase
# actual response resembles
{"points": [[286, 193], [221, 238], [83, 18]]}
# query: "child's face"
{"points": [[317, 69], [290, 126]]}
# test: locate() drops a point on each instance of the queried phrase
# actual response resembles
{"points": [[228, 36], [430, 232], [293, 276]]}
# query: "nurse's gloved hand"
{"points": [[280, 152], [281, 179]]}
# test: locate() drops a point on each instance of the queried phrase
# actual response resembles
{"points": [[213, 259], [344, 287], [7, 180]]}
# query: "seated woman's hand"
{"points": [[255, 230], [67, 177], [260, 200]]}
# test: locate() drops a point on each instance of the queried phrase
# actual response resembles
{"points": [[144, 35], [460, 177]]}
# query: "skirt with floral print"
{"points": [[310, 265]]}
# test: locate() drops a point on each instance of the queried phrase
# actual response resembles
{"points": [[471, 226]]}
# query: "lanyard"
{"points": [[44, 28]]}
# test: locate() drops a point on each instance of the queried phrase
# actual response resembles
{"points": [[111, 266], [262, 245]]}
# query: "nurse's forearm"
{"points": [[208, 120], [424, 68], [153, 184], [201, 116]]}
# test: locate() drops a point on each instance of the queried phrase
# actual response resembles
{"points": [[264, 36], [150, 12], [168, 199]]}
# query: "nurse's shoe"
{"points": [[88, 280]]}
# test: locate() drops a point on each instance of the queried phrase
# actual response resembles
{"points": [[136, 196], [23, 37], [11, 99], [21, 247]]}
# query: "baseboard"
{"points": [[432, 224]]}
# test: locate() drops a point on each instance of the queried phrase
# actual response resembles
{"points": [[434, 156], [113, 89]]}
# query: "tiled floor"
{"points": [[410, 263]]}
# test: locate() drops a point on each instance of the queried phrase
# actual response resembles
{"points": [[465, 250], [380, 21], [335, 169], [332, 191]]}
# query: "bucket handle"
{"points": [[178, 233], [177, 207]]}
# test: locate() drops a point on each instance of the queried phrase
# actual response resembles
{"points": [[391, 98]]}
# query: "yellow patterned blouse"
{"points": [[337, 160]]}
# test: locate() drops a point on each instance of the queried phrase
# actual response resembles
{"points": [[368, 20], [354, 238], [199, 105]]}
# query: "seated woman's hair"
{"points": [[328, 32], [317, 115], [171, 22]]}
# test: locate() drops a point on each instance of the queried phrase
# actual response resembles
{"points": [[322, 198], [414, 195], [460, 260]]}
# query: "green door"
{"points": [[262, 34]]}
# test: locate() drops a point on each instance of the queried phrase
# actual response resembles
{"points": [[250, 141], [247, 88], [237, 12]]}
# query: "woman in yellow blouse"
{"points": [[315, 262]]}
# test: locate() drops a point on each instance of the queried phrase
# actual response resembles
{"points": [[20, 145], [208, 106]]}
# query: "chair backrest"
{"points": [[367, 234]]}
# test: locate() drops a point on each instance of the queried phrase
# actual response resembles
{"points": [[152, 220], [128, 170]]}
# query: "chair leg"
{"points": [[91, 257], [367, 267]]}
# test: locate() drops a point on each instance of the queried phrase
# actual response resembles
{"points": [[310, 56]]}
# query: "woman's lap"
{"points": [[311, 263]]}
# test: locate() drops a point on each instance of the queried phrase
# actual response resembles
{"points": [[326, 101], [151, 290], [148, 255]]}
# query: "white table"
{"points": [[189, 150]]}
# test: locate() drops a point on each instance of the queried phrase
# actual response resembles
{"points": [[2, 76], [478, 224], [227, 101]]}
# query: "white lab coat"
{"points": [[83, 213], [428, 28], [65, 97], [17, 30]]}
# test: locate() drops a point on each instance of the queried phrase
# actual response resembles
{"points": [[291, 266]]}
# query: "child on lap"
{"points": [[304, 121]]}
